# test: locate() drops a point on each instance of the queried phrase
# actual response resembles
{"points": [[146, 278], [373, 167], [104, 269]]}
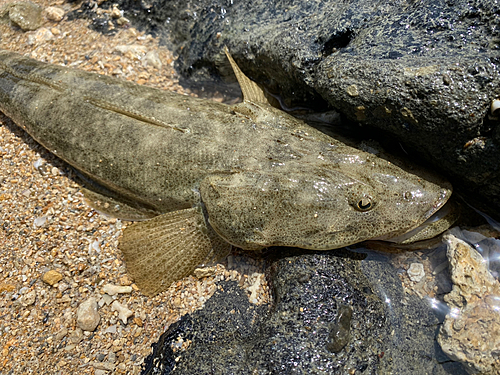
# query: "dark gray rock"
{"points": [[425, 72], [296, 334]]}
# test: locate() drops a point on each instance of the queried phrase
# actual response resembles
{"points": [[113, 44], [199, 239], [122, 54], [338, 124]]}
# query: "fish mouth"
{"points": [[435, 221]]}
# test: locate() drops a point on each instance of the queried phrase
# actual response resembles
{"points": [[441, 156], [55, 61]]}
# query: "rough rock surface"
{"points": [[325, 319], [425, 72], [471, 330]]}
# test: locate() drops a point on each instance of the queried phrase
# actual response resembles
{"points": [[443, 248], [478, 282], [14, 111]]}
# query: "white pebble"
{"points": [[87, 317], [105, 300], [28, 299], [416, 272], [54, 13], [39, 221], [111, 329], [152, 59]]}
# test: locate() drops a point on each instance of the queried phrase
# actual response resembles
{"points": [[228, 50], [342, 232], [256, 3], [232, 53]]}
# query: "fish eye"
{"points": [[364, 204], [362, 197]]}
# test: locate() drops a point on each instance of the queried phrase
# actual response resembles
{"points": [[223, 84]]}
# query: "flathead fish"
{"points": [[201, 176]]}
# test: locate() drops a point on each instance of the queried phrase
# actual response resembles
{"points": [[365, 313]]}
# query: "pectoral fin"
{"points": [[169, 247]]}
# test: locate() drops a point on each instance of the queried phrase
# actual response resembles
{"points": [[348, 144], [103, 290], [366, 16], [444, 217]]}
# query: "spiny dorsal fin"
{"points": [[252, 92]]}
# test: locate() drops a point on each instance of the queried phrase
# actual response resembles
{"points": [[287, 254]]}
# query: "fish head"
{"points": [[386, 204], [320, 208]]}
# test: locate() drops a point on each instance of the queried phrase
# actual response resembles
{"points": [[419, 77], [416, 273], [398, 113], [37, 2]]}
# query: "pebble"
{"points": [[133, 51], [106, 299], [87, 316], [416, 272], [25, 14], [152, 58], [116, 289], [40, 221], [111, 329], [60, 335], [204, 272], [107, 366], [28, 299], [54, 13], [123, 312], [40, 35], [51, 277], [62, 287], [76, 336]]}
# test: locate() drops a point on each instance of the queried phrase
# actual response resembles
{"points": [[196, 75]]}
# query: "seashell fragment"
{"points": [[123, 312]]}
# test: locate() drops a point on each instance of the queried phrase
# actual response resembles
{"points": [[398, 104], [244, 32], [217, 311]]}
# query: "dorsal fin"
{"points": [[252, 92]]}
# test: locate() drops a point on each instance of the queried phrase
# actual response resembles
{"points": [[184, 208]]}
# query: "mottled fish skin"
{"points": [[260, 176]]}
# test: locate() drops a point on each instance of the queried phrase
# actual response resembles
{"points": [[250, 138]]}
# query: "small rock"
{"points": [[204, 272], [52, 277], [416, 272], [62, 287], [254, 289], [352, 91], [28, 299], [138, 321], [111, 329], [87, 317], [59, 335], [107, 366], [76, 336], [152, 59], [65, 298], [54, 13], [133, 51], [122, 21], [39, 221], [4, 287], [106, 299], [100, 372], [26, 15], [125, 281], [41, 35], [469, 332], [177, 302], [115, 12], [121, 367], [123, 312], [340, 329], [116, 289]]}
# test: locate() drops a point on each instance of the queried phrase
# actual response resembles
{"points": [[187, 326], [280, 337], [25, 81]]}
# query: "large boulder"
{"points": [[330, 315]]}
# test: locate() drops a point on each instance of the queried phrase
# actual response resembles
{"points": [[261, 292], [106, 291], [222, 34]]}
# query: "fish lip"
{"points": [[444, 196], [442, 199]]}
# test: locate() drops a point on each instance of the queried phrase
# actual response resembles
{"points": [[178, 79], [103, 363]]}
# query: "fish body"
{"points": [[206, 175]]}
